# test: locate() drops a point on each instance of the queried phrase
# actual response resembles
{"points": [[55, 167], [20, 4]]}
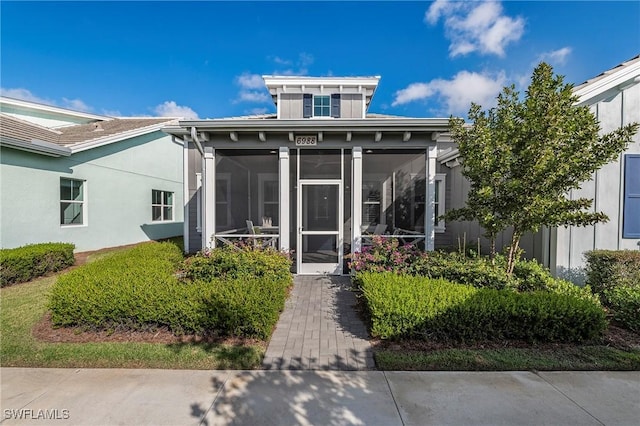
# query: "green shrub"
{"points": [[608, 269], [404, 306], [28, 262], [478, 272], [237, 262], [138, 289], [615, 277], [624, 302]]}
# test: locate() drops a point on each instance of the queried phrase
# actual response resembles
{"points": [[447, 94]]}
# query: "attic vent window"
{"points": [[97, 127], [321, 105]]}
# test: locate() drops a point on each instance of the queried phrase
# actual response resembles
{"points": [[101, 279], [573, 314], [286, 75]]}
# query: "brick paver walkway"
{"points": [[320, 329]]}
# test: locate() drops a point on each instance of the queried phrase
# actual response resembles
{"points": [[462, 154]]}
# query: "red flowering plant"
{"points": [[385, 254]]}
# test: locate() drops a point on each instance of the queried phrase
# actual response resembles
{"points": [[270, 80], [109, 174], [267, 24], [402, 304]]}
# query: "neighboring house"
{"points": [[318, 178], [614, 97], [90, 180]]}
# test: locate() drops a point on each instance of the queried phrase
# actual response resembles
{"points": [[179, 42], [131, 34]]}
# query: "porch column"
{"points": [[430, 213], [209, 204], [356, 199], [283, 164], [185, 194]]}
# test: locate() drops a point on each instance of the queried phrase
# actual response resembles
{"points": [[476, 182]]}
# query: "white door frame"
{"points": [[320, 268]]}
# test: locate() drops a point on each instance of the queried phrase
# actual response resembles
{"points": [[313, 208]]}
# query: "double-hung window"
{"points": [[72, 202], [161, 205]]}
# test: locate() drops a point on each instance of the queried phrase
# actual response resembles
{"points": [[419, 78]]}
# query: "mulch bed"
{"points": [[614, 336]]}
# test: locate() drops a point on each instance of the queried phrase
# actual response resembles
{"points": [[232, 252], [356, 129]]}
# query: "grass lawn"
{"points": [[22, 306]]}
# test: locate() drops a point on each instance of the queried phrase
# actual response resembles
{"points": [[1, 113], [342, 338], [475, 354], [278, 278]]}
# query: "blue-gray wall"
{"points": [[119, 180]]}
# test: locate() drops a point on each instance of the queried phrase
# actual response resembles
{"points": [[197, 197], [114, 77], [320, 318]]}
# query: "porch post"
{"points": [[209, 205], [430, 213], [356, 199], [185, 195], [283, 164]]}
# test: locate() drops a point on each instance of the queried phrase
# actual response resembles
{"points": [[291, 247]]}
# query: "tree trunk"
{"points": [[513, 251]]}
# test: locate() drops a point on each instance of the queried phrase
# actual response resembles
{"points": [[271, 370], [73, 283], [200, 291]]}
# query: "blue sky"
{"points": [[203, 59]]}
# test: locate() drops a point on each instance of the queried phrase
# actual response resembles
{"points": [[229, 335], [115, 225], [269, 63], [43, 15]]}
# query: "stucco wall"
{"points": [[119, 180]]}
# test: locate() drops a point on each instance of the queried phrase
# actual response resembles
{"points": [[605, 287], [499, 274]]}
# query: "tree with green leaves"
{"points": [[524, 156]]}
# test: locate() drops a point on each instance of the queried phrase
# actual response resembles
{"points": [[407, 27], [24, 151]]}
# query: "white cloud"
{"points": [[24, 95], [299, 66], [76, 105], [250, 81], [456, 94], [253, 96], [171, 109], [476, 26], [558, 57]]}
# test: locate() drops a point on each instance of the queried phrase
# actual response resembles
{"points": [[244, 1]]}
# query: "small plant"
{"points": [[385, 255]]}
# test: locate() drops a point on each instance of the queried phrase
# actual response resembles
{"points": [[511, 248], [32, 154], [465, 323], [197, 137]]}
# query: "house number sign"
{"points": [[306, 140]]}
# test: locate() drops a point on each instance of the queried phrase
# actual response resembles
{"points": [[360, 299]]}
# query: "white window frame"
{"points": [[83, 203], [439, 208], [313, 106], [262, 179], [198, 202], [227, 178], [162, 205]]}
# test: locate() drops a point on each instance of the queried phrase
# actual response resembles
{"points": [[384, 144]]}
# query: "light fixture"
{"points": [[369, 151], [273, 151]]}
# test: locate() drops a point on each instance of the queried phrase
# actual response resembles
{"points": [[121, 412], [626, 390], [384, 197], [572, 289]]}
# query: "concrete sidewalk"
{"points": [[183, 397]]}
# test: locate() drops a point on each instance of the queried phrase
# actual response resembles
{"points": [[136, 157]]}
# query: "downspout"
{"points": [[194, 135]]}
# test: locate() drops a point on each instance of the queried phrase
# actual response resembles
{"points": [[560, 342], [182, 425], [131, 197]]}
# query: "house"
{"points": [[91, 180], [318, 178], [614, 98]]}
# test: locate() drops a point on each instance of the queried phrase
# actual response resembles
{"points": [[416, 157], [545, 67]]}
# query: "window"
{"points": [[269, 195], [371, 197], [631, 215], [438, 201], [321, 105], [72, 203], [161, 205], [223, 201]]}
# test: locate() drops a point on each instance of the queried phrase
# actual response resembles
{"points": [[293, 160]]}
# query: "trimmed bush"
{"points": [[237, 262], [404, 306], [615, 277], [624, 302], [138, 289], [31, 261], [608, 269]]}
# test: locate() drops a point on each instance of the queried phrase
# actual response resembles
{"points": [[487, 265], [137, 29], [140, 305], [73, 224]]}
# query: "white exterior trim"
{"points": [[209, 205], [185, 195], [83, 146], [53, 109], [284, 222], [628, 73], [356, 199], [430, 214]]}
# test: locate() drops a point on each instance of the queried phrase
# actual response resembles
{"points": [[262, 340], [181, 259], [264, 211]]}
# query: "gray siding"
{"points": [[613, 110], [290, 105], [194, 239], [351, 105]]}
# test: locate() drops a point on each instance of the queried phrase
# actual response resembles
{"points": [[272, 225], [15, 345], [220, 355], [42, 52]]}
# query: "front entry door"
{"points": [[320, 232]]}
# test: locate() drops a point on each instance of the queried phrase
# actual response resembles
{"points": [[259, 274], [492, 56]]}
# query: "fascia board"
{"points": [[429, 124], [588, 91], [52, 109], [37, 147], [276, 80]]}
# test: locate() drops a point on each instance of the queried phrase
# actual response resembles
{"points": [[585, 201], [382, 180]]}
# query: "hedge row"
{"points": [[31, 261], [615, 277], [403, 306], [138, 289]]}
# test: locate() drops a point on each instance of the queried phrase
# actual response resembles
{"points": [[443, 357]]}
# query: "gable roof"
{"points": [[619, 77], [22, 105], [32, 137]]}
